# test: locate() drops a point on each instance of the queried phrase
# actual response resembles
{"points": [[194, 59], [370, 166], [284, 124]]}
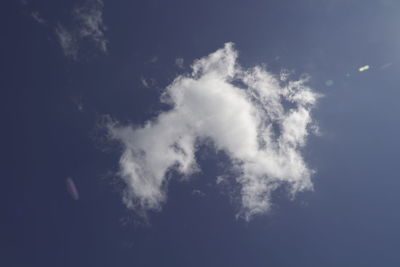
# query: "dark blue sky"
{"points": [[350, 219]]}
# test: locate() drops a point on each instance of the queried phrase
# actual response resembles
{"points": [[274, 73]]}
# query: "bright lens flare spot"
{"points": [[363, 68]]}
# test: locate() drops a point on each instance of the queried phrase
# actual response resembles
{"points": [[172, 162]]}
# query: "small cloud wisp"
{"points": [[87, 25]]}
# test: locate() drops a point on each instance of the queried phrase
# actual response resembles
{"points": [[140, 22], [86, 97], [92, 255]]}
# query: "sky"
{"points": [[200, 133]]}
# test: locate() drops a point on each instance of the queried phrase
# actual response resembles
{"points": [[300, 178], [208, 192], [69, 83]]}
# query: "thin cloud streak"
{"points": [[38, 18]]}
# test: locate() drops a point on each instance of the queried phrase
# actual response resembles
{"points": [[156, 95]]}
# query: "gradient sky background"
{"points": [[52, 106]]}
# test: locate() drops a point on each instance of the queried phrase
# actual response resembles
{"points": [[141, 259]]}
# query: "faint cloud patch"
{"points": [[197, 192], [89, 17], [144, 82], [87, 26], [386, 65], [221, 179], [152, 60], [78, 103], [38, 18], [68, 42], [147, 82], [179, 62]]}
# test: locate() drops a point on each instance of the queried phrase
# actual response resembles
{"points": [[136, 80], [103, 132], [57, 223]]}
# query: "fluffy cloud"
{"points": [[258, 120], [87, 26]]}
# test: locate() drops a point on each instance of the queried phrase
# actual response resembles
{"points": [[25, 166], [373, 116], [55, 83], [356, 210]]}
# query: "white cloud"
{"points": [[87, 26], [244, 112]]}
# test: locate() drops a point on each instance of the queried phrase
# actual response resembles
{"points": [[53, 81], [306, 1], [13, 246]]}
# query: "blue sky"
{"points": [[77, 75]]}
